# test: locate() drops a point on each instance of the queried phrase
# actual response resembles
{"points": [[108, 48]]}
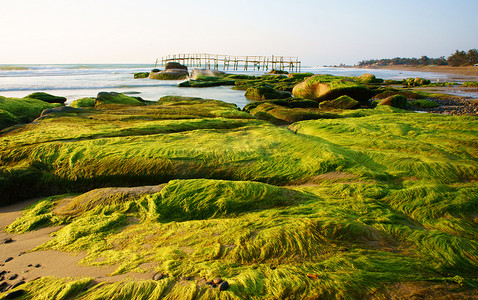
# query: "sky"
{"points": [[318, 32]]}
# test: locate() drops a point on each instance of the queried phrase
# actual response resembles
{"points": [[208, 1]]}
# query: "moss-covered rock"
{"points": [[141, 75], [470, 84], [368, 79], [105, 98], [83, 102], [300, 76], [46, 97], [280, 115], [263, 92], [342, 102], [422, 103], [273, 71], [170, 74], [397, 101], [390, 92], [328, 87], [58, 112], [24, 110], [175, 66], [7, 119], [198, 73], [207, 81], [411, 82]]}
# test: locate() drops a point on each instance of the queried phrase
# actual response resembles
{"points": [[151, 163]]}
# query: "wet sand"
{"points": [[460, 74], [31, 265]]}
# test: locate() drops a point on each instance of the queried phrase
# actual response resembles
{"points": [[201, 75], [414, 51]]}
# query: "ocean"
{"points": [[75, 81]]}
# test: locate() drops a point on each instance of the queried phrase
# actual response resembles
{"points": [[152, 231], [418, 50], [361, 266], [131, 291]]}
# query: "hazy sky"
{"points": [[319, 32]]}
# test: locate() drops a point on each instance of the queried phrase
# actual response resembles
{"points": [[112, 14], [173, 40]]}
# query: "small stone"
{"points": [[3, 272], [6, 241], [3, 286], [224, 286], [158, 276], [30, 265], [273, 267], [313, 276], [217, 280], [25, 271], [211, 284], [14, 294], [13, 277], [37, 266], [8, 259], [18, 283]]}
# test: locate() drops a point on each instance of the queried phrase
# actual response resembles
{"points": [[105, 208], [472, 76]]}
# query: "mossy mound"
{"points": [[7, 119], [273, 71], [423, 103], [300, 76], [342, 102], [328, 87], [207, 81], [169, 74], [113, 98], [390, 92], [412, 82], [24, 110], [470, 84], [140, 75], [264, 92], [280, 115], [83, 102], [368, 79], [397, 101], [47, 97]]}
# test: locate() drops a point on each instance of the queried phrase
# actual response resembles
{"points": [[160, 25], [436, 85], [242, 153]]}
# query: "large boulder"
{"points": [[397, 101], [328, 87], [368, 79], [174, 66], [105, 98], [342, 102], [141, 75], [263, 92], [198, 73], [170, 74], [47, 97]]}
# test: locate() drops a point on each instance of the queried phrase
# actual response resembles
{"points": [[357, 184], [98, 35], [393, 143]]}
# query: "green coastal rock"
{"points": [[23, 110], [273, 71], [342, 102], [200, 73], [141, 75], [207, 81], [264, 92], [368, 79], [328, 87], [280, 115], [175, 66], [300, 76], [422, 103], [412, 82], [169, 74], [397, 101], [113, 98], [46, 97], [83, 102]]}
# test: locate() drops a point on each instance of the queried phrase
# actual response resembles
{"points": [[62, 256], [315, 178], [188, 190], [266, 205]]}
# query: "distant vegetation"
{"points": [[459, 58]]}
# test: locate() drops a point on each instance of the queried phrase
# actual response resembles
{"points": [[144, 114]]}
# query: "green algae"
{"points": [[331, 208], [24, 110], [83, 102]]}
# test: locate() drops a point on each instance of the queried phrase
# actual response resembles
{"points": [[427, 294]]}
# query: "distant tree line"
{"points": [[459, 58]]}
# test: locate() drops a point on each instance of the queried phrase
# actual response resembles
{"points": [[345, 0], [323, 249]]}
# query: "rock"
{"points": [[300, 76], [224, 286], [217, 280], [397, 101], [37, 266], [4, 286], [105, 98], [155, 70], [424, 103], [158, 276], [170, 74], [263, 92], [416, 81], [211, 284], [273, 71], [3, 272], [6, 241], [141, 75], [46, 97], [14, 294], [342, 102], [175, 65], [51, 112], [197, 73], [13, 277], [312, 276], [368, 79], [8, 259], [83, 102], [328, 87]]}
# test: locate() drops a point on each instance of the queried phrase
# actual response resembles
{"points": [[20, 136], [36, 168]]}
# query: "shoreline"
{"points": [[468, 73]]}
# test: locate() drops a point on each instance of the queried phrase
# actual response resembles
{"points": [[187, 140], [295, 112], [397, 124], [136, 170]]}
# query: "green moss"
{"points": [[470, 84], [25, 110], [368, 79], [397, 101], [105, 98], [83, 102], [342, 102], [7, 119], [423, 103], [264, 92], [46, 97], [280, 115], [140, 75]]}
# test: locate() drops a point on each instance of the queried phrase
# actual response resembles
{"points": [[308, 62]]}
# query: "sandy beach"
{"points": [[469, 73], [16, 257]]}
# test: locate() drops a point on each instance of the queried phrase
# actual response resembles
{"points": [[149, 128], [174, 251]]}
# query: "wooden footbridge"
{"points": [[216, 62]]}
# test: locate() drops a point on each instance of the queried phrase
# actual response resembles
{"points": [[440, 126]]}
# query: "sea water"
{"points": [[75, 81]]}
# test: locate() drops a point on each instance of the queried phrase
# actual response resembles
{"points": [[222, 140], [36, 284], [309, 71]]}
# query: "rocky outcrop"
{"points": [[342, 102], [328, 87], [368, 79], [198, 73], [141, 75], [397, 101], [105, 98], [169, 74], [175, 66], [263, 92], [47, 97]]}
